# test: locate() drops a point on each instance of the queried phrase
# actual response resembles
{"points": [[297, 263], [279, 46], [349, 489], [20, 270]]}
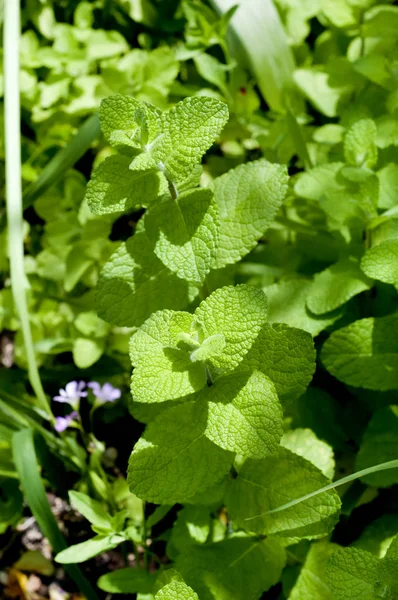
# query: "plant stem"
{"points": [[14, 191]]}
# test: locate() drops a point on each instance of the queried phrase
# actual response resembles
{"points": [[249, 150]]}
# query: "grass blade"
{"points": [[392, 464], [14, 191], [35, 495], [63, 160]]}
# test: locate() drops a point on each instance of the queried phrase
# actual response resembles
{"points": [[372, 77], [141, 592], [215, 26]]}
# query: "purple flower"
{"points": [[106, 393], [61, 423], [72, 393]]}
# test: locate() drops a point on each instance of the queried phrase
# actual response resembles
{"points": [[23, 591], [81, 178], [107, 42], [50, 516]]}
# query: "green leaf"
{"points": [[87, 352], [365, 353], [311, 582], [314, 84], [91, 509], [263, 485], [388, 183], [319, 181], [381, 262], [244, 414], [189, 129], [305, 443], [380, 444], [359, 144], [336, 285], [248, 198], [286, 355], [127, 581], [185, 233], [191, 527], [380, 21], [134, 283], [287, 303], [352, 574], [379, 535], [114, 187], [387, 131], [176, 590], [236, 312], [239, 568], [174, 460], [88, 549]]}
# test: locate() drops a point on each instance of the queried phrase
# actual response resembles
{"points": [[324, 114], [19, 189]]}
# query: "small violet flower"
{"points": [[61, 423], [106, 393], [72, 393]]}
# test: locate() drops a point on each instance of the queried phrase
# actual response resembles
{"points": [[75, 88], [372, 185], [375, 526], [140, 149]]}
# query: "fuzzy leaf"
{"points": [[359, 144], [174, 460], [352, 574], [311, 583], [381, 262], [365, 353], [305, 443], [248, 198], [176, 590]]}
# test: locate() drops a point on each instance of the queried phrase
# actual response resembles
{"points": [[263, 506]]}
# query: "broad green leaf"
{"points": [[176, 590], [387, 131], [359, 144], [286, 355], [184, 232], [381, 262], [311, 583], [134, 283], [114, 187], [319, 181], [287, 303], [365, 353], [380, 21], [77, 265], [237, 313], [162, 329], [248, 198], [88, 549], [378, 536], [191, 527], [388, 184], [87, 351], [91, 509], [380, 444], [263, 485], [168, 374], [129, 124], [174, 460], [352, 574], [305, 443], [336, 285], [314, 84], [188, 131], [127, 581], [244, 414], [239, 568]]}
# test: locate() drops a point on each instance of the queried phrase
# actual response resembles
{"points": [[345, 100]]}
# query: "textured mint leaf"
{"points": [[244, 414], [359, 144], [162, 329], [237, 313], [379, 535], [319, 181], [174, 460], [381, 262], [311, 583], [191, 527], [365, 353], [134, 283], [239, 568], [168, 374], [176, 590], [185, 233], [286, 355], [263, 485], [305, 443], [188, 131], [127, 581], [113, 187], [248, 198], [128, 124], [352, 574], [86, 550], [380, 444], [336, 285], [287, 303]]}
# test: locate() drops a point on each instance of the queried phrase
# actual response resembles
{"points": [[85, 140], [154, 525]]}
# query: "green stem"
{"points": [[14, 191]]}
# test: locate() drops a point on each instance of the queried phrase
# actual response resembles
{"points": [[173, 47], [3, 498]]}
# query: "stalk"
{"points": [[14, 191]]}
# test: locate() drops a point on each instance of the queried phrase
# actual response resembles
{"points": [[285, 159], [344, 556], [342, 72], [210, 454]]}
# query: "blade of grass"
{"points": [[35, 495], [392, 464], [63, 160], [14, 191]]}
